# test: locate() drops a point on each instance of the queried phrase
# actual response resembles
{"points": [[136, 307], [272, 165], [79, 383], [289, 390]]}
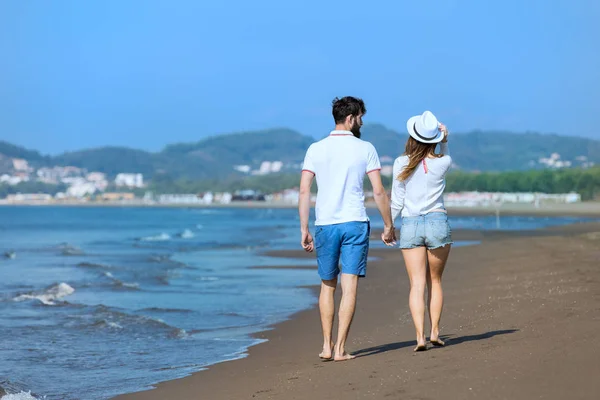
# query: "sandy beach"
{"points": [[520, 320]]}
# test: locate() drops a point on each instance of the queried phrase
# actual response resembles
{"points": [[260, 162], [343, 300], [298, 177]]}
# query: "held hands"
{"points": [[307, 242], [389, 236]]}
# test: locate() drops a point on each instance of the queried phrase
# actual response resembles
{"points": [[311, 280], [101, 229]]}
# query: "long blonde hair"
{"points": [[416, 152]]}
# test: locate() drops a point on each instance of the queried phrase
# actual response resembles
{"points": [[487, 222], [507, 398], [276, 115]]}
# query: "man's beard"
{"points": [[355, 130]]}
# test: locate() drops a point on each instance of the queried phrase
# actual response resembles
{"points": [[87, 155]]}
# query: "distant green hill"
{"points": [[10, 150], [216, 156], [495, 151]]}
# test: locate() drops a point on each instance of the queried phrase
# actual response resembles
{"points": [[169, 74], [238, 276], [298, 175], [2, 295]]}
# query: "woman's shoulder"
{"points": [[399, 164], [403, 159], [442, 158]]}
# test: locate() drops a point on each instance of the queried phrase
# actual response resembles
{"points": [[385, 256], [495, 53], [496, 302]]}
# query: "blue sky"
{"points": [[77, 74]]}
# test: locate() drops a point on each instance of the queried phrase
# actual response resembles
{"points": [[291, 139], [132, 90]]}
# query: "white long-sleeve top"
{"points": [[423, 191]]}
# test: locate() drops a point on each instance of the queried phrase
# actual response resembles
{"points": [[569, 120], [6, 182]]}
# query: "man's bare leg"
{"points": [[347, 306], [327, 309]]}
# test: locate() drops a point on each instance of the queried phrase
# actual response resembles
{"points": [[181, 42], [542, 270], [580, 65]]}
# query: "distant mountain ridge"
{"points": [[216, 156]]}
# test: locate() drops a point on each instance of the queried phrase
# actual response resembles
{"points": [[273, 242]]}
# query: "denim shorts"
{"points": [[347, 242], [430, 230]]}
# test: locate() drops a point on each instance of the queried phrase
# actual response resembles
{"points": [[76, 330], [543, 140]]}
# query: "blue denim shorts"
{"points": [[347, 242], [430, 230]]}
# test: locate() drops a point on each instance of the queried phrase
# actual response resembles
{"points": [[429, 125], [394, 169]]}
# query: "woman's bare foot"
{"points": [[434, 338], [327, 352], [344, 357], [420, 347]]}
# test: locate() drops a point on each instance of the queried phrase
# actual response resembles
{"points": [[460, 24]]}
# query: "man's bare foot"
{"points": [[437, 342], [327, 352], [344, 357]]}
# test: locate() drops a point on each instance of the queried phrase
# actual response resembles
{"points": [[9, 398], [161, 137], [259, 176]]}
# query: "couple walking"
{"points": [[342, 229]]}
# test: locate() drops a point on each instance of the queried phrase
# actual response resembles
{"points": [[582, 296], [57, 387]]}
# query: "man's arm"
{"points": [[383, 204], [304, 209]]}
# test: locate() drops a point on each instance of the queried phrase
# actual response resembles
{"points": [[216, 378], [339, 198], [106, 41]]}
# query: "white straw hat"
{"points": [[424, 128]]}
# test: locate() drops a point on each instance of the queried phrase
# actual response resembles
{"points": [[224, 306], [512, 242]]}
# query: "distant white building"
{"points": [[268, 167], [81, 189], [130, 180], [243, 168], [554, 161], [472, 199], [59, 174], [265, 168], [95, 177], [20, 197], [208, 198], [179, 199], [98, 179], [276, 166], [225, 198], [20, 165], [12, 179], [387, 170]]}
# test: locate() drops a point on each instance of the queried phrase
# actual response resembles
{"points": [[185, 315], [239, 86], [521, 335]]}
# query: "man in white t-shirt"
{"points": [[340, 162]]}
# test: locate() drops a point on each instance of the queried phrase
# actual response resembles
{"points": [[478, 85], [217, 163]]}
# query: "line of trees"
{"points": [[586, 182], [31, 187], [583, 181]]}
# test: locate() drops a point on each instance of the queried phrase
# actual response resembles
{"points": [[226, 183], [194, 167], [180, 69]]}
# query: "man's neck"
{"points": [[341, 128]]}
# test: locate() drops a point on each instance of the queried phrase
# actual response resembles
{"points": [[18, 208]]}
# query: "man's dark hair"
{"points": [[347, 106]]}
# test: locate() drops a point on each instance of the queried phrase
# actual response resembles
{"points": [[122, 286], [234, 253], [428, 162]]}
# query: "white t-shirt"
{"points": [[340, 163], [423, 191]]}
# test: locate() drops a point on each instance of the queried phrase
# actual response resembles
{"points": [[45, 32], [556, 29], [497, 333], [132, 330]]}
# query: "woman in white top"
{"points": [[425, 240]]}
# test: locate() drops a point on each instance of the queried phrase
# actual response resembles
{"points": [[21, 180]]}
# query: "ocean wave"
{"points": [[207, 278], [107, 318], [166, 310], [120, 284], [94, 265], [107, 324], [162, 280], [18, 396], [187, 234], [158, 238], [178, 333], [207, 212], [67, 249], [160, 258], [14, 390], [49, 295]]}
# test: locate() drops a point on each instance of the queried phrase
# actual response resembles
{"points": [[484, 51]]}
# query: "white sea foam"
{"points": [[120, 283], [49, 295], [158, 238], [187, 234], [18, 396]]}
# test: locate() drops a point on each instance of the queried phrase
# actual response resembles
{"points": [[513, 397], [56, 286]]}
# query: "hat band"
{"points": [[419, 135]]}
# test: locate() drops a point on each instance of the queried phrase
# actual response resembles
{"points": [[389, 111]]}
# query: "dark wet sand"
{"points": [[521, 321]]}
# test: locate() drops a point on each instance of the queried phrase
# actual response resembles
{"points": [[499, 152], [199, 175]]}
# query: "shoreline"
{"points": [[298, 337], [583, 209]]}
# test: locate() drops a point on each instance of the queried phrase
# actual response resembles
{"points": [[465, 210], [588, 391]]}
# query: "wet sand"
{"points": [[521, 316]]}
